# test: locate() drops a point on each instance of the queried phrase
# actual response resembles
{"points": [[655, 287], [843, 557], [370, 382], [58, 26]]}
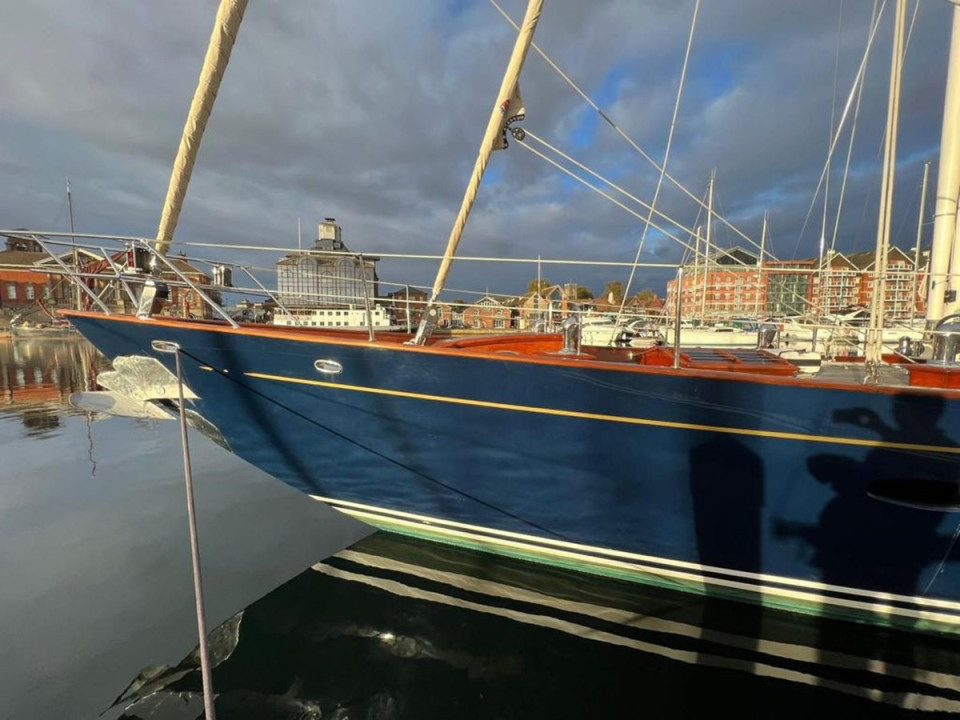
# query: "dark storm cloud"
{"points": [[372, 112]]}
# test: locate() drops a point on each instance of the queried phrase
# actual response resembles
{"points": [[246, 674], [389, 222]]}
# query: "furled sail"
{"points": [[225, 28], [508, 109]]}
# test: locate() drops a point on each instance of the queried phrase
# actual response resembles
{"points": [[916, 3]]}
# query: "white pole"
{"points": [[706, 250], [916, 252], [948, 183], [875, 333], [696, 263], [760, 283], [409, 324], [73, 240]]}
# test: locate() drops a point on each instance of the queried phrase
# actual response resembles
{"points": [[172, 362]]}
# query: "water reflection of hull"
{"points": [[478, 636], [37, 332]]}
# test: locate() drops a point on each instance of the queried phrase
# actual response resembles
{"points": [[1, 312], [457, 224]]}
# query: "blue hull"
{"points": [[718, 483]]}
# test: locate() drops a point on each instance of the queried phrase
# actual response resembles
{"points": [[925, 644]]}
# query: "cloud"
{"points": [[373, 112]]}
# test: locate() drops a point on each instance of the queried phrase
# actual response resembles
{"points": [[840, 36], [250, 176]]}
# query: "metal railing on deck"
{"points": [[114, 269]]}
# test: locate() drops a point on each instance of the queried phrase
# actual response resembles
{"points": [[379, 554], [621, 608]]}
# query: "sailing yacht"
{"points": [[714, 470]]}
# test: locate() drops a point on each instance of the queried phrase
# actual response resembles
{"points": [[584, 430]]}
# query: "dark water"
{"points": [[394, 627], [399, 628], [95, 577]]}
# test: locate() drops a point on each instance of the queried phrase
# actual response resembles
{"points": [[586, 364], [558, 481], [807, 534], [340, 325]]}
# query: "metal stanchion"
{"points": [[678, 319], [172, 348]]}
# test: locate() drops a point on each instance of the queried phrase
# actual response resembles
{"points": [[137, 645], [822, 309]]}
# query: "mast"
{"points": [[875, 332], [706, 249], [508, 107], [948, 183], [225, 29], [763, 242], [916, 252], [696, 259], [73, 241]]}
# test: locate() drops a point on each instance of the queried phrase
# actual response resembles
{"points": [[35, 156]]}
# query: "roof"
{"points": [[864, 260], [860, 261], [733, 256], [20, 258], [183, 266], [402, 293], [325, 258], [67, 257], [791, 264]]}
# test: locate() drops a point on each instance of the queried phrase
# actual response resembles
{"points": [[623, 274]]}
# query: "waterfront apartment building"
{"points": [[730, 284], [727, 284], [789, 286]]}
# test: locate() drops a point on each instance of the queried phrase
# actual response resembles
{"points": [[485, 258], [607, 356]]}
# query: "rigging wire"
{"points": [[833, 114], [853, 129], [60, 211], [598, 190], [943, 561], [858, 79], [666, 157], [610, 183], [372, 451], [853, 134], [616, 128], [530, 134], [914, 198]]}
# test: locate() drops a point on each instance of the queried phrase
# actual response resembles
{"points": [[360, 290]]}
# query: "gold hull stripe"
{"points": [[856, 442]]}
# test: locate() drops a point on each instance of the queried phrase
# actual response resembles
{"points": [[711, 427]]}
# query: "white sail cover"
{"points": [[944, 259], [225, 28], [508, 108], [512, 111]]}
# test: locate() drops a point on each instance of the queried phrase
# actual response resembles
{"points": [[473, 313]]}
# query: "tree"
{"points": [[584, 293], [613, 291], [543, 285], [458, 305], [645, 298]]}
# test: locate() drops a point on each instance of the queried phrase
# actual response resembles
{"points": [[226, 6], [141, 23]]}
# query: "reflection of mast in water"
{"points": [[87, 378], [93, 461]]}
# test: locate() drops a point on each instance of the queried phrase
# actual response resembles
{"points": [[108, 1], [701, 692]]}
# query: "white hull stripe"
{"points": [[861, 600], [903, 700]]}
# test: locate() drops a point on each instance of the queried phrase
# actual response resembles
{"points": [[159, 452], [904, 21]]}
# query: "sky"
{"points": [[372, 112]]}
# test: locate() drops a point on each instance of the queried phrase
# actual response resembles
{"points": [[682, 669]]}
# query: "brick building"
{"points": [[398, 302]]}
